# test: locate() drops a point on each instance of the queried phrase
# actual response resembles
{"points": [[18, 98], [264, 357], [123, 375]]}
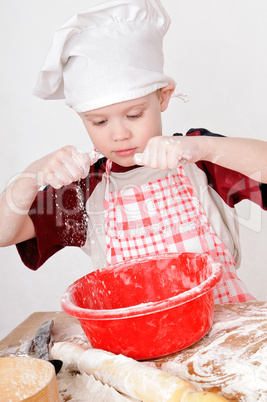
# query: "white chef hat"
{"points": [[108, 53]]}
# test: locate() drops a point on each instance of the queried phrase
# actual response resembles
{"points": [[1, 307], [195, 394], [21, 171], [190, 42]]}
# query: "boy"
{"points": [[107, 63]]}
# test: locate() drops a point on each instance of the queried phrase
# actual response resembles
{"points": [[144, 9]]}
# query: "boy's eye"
{"points": [[135, 116], [99, 123]]}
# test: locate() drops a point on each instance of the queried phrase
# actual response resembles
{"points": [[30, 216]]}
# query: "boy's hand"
{"points": [[170, 152], [62, 167]]}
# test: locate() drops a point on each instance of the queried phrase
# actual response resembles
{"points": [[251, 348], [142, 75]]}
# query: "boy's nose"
{"points": [[120, 132]]}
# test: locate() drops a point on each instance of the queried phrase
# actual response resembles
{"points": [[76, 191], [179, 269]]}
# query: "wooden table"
{"points": [[230, 360]]}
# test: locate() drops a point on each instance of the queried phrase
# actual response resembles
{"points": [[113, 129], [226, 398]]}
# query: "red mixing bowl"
{"points": [[148, 307]]}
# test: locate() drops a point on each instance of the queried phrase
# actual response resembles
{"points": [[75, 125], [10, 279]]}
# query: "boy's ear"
{"points": [[165, 95]]}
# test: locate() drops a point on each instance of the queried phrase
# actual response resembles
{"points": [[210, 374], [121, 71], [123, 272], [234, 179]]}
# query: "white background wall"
{"points": [[217, 52]]}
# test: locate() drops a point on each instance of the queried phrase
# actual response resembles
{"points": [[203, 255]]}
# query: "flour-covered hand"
{"points": [[62, 167], [169, 152]]}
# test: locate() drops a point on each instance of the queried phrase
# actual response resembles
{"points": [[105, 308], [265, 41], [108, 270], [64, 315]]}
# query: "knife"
{"points": [[41, 343]]}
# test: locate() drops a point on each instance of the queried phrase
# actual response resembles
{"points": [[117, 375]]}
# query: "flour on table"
{"points": [[85, 388], [232, 357], [73, 333]]}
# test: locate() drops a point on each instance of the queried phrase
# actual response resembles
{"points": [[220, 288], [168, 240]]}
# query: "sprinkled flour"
{"points": [[85, 388], [233, 357]]}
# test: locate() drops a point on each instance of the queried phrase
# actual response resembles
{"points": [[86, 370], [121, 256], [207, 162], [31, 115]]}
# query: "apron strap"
{"points": [[107, 174]]}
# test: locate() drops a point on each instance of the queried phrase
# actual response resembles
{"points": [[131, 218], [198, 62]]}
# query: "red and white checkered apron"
{"points": [[166, 216]]}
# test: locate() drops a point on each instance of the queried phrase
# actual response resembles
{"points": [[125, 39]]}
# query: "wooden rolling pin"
{"points": [[129, 376]]}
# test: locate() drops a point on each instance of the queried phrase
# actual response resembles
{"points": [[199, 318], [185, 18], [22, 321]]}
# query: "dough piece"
{"points": [[129, 376]]}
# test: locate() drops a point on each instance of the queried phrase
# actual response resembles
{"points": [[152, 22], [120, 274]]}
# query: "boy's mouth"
{"points": [[125, 152]]}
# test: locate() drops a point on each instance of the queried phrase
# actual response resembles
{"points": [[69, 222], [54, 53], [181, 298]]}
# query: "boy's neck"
{"points": [[120, 169]]}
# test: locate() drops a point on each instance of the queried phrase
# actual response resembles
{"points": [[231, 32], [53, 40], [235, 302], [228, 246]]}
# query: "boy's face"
{"points": [[120, 130]]}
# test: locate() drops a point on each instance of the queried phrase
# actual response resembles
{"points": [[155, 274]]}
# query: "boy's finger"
{"points": [[82, 161], [138, 159], [94, 156], [54, 181]]}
